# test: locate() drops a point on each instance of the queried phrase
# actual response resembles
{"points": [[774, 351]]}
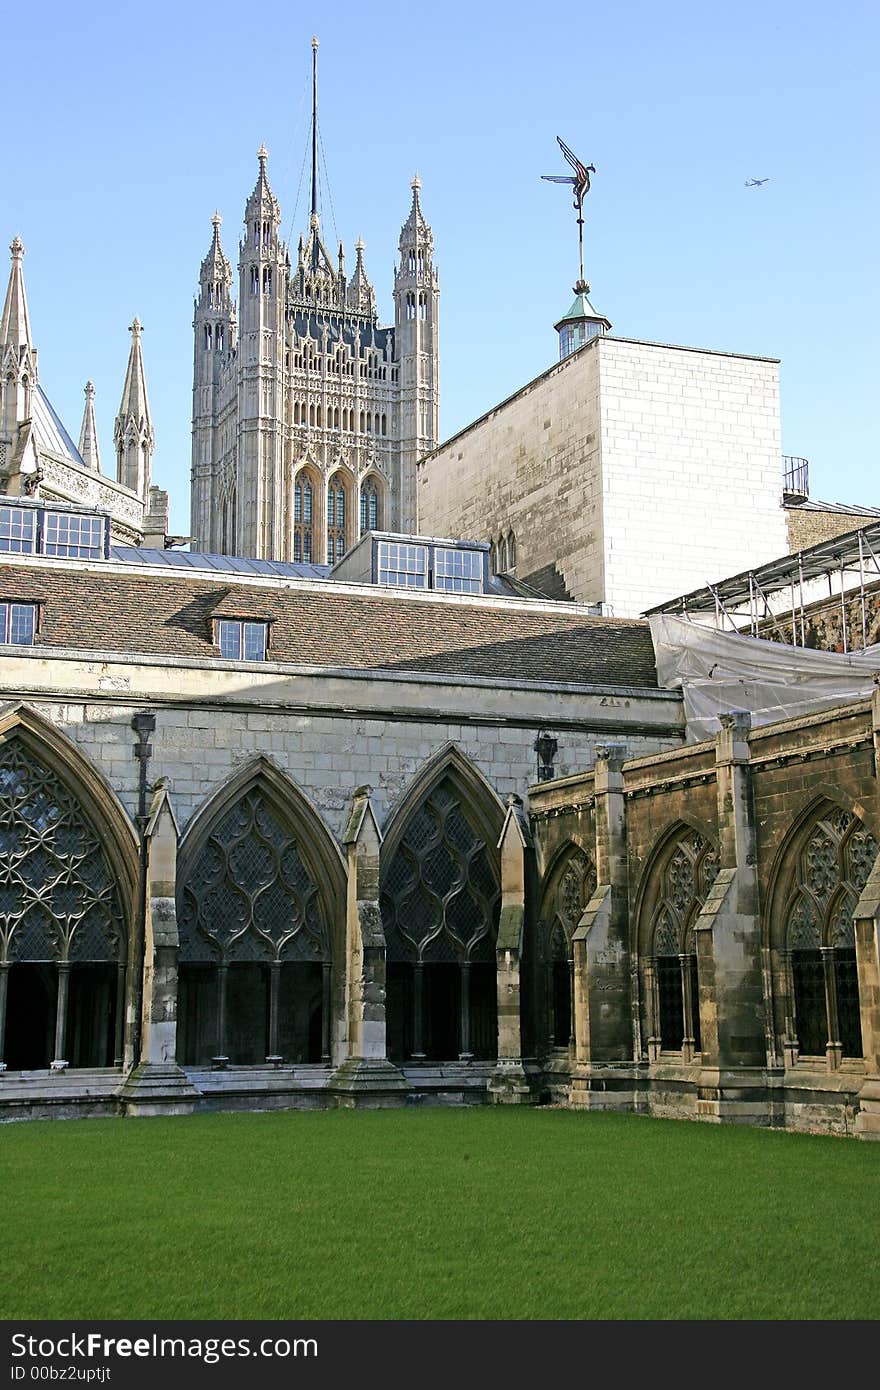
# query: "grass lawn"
{"points": [[471, 1213]]}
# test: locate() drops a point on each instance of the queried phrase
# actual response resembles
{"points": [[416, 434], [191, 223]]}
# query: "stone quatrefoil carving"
{"points": [[689, 874]]}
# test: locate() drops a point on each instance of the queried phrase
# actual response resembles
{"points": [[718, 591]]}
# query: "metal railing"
{"points": [[797, 475]]}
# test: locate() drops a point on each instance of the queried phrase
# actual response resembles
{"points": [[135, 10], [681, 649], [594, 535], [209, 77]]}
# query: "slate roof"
{"points": [[327, 624]]}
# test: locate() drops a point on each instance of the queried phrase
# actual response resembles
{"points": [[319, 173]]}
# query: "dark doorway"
{"points": [[30, 1016], [91, 1015], [668, 970], [811, 1012]]}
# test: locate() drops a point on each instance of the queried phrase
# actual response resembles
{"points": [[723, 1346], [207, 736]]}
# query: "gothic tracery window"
{"points": [[369, 506], [303, 508], [440, 907], [336, 518], [689, 871], [570, 887], [254, 944], [831, 871], [62, 928]]}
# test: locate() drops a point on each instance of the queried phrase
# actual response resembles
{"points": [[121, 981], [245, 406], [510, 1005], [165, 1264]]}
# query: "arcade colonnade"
{"points": [[693, 933]]}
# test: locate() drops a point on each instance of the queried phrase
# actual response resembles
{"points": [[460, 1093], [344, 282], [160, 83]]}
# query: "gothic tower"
{"points": [[308, 414], [416, 306], [133, 430], [213, 480]]}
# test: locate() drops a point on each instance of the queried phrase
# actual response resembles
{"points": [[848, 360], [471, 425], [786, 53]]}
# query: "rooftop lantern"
{"points": [[582, 323]]}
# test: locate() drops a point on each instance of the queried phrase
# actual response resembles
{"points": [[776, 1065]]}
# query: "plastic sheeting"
{"points": [[722, 671]]}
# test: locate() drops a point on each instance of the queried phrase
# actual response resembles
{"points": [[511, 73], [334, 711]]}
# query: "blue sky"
{"points": [[128, 124]]}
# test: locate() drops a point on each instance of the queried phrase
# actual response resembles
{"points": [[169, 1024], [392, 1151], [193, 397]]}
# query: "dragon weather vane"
{"points": [[580, 182]]}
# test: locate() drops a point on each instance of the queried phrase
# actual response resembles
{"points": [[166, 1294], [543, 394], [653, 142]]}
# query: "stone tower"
{"points": [[416, 309], [308, 414], [215, 340], [133, 430]]}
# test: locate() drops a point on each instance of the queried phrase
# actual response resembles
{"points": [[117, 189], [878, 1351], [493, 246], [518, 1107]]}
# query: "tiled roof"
{"points": [[324, 624]]}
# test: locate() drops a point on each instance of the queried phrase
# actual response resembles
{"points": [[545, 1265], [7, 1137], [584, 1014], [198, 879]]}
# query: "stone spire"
{"points": [[416, 229], [360, 294], [18, 360], [15, 328], [133, 431], [88, 435]]}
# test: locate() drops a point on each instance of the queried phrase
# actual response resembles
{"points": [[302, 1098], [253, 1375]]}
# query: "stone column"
{"points": [[509, 1084], [866, 921], [603, 1075], [366, 1076], [732, 1005], [157, 1085]]}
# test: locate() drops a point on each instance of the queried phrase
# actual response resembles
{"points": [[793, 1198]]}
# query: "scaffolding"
{"points": [[777, 596]]}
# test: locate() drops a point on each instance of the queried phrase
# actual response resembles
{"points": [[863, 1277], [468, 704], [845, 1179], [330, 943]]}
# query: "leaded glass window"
{"points": [[336, 512], [369, 507], [303, 496], [831, 871]]}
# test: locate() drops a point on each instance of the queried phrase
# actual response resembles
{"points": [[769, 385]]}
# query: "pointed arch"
{"points": [[69, 869], [485, 805], [568, 885], [85, 782], [440, 889], [320, 852], [307, 493], [679, 872], [648, 894], [372, 502], [817, 878], [261, 914]]}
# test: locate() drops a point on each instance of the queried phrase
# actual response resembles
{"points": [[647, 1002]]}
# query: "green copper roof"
{"points": [[582, 309]]}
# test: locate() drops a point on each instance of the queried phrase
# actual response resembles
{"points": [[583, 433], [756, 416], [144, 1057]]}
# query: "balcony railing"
{"points": [[797, 475]]}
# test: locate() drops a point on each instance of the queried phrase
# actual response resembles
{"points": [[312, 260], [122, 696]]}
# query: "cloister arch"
{"points": [[440, 887], [68, 888], [261, 912], [818, 875], [568, 885], [678, 875]]}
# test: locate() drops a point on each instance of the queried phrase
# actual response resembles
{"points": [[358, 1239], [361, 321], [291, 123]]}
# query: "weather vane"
{"points": [[580, 182]]}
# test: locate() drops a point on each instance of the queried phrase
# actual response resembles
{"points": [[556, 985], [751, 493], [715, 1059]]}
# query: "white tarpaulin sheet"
{"points": [[722, 671]]}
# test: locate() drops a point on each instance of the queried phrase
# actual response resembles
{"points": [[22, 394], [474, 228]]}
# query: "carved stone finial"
{"points": [[216, 220], [136, 328], [17, 248], [262, 156], [416, 184]]}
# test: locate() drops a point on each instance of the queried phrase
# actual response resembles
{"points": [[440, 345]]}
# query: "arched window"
{"points": [[440, 907], [688, 869], [208, 337], [303, 512], [571, 884], [255, 952], [501, 555], [62, 929], [820, 958], [337, 509], [370, 520], [511, 550]]}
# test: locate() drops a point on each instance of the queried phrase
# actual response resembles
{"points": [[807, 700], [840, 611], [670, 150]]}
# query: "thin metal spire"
{"points": [[314, 127]]}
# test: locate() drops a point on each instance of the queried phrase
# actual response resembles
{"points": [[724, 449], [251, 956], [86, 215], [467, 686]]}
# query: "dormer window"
{"points": [[18, 623], [240, 639]]}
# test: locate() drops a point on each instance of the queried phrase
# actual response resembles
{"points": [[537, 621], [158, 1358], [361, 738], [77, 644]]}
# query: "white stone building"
{"points": [[308, 414], [627, 472]]}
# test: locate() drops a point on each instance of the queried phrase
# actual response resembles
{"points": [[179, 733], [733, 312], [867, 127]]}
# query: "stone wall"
{"points": [[808, 527], [753, 800], [640, 470]]}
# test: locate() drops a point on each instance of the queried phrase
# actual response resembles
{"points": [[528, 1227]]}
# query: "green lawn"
{"points": [[474, 1213]]}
